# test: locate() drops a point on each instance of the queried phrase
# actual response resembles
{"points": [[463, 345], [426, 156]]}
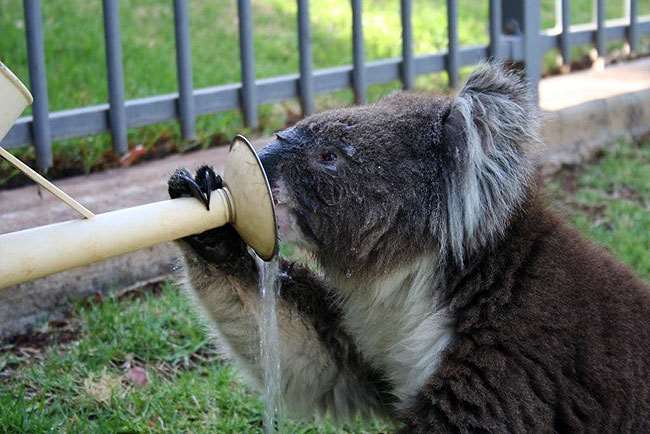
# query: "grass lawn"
{"points": [[74, 51], [141, 363], [610, 202]]}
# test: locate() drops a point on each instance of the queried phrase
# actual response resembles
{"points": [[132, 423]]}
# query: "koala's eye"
{"points": [[328, 157]]}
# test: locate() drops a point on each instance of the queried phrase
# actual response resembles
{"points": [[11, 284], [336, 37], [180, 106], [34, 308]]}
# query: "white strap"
{"points": [[56, 191]]}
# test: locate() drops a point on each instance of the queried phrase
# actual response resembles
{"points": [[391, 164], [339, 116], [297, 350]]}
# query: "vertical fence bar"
{"points": [[524, 18], [565, 43], [408, 66], [115, 75], [633, 33], [495, 28], [247, 59], [306, 61], [532, 44], [532, 20], [601, 42], [359, 72], [184, 69], [38, 81], [452, 50]]}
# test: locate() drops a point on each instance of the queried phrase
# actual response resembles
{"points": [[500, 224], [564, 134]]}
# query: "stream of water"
{"points": [[270, 342]]}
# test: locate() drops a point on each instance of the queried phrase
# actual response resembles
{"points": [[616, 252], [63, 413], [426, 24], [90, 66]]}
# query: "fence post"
{"points": [[601, 41], [496, 12], [408, 65], [306, 61], [633, 32], [565, 43], [247, 59], [36, 59], [358, 55], [452, 43], [184, 69], [112, 36], [523, 17]]}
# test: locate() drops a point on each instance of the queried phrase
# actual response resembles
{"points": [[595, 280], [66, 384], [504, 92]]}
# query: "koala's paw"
{"points": [[182, 184], [221, 245]]}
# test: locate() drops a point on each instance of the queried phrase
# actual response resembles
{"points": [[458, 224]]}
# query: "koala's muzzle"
{"points": [[276, 154], [271, 157]]}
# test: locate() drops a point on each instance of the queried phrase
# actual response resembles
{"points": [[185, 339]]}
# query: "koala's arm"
{"points": [[320, 367]]}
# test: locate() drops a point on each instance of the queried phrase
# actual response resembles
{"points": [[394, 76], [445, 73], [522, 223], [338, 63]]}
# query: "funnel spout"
{"points": [[245, 202], [252, 201]]}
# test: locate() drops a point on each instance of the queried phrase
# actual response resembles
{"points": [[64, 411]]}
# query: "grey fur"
{"points": [[419, 185], [231, 306], [493, 120]]}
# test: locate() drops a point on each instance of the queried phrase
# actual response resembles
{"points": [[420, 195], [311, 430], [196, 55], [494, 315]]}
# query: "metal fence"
{"points": [[515, 34]]}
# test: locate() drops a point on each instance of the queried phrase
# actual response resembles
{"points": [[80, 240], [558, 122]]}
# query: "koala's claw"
{"points": [[182, 184], [220, 245], [208, 181]]}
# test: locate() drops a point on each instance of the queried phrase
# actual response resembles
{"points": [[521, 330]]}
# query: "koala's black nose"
{"points": [[271, 157]]}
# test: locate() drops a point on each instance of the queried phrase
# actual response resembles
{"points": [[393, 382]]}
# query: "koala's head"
{"points": [[366, 188]]}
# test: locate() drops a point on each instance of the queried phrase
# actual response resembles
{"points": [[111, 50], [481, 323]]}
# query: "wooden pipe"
{"points": [[245, 202]]}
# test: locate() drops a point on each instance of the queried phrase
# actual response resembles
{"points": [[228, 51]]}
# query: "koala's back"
{"points": [[553, 336]]}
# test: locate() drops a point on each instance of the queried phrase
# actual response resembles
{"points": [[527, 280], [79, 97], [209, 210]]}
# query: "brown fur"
{"points": [[553, 335]]}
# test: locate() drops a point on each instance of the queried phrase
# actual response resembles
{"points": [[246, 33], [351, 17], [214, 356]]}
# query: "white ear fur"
{"points": [[490, 121]]}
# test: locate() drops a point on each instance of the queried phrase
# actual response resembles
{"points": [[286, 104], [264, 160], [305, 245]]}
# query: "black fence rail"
{"points": [[514, 29]]}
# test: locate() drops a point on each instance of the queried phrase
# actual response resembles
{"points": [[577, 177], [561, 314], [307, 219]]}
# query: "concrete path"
{"points": [[583, 112], [568, 90]]}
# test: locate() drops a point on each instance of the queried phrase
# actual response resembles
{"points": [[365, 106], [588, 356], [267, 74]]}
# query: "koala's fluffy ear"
{"points": [[489, 122]]}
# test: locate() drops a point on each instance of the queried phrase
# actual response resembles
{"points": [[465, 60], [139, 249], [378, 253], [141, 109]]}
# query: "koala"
{"points": [[447, 296]]}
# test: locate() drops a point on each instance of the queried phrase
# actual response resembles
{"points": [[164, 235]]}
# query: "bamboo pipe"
{"points": [[245, 202], [37, 252]]}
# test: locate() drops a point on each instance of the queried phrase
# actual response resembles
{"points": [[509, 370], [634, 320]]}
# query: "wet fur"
{"points": [[450, 298]]}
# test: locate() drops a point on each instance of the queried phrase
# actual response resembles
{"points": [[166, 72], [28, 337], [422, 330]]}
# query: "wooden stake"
{"points": [[47, 185]]}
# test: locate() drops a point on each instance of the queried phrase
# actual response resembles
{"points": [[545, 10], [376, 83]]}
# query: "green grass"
{"points": [[74, 51], [610, 202], [85, 386]]}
